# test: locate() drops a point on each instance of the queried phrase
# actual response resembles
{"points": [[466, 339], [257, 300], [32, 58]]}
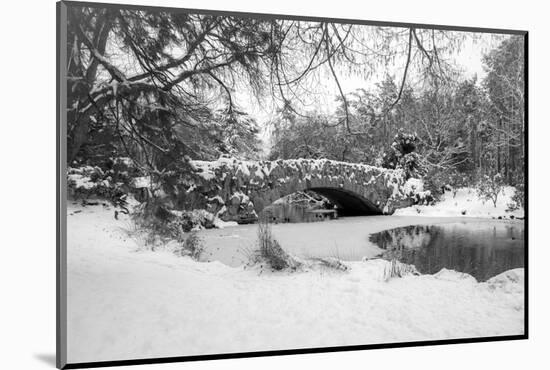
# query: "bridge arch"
{"points": [[349, 200]]}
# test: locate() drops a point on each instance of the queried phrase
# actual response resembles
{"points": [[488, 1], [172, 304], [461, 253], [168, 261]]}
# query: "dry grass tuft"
{"points": [[396, 269], [270, 251], [331, 263]]}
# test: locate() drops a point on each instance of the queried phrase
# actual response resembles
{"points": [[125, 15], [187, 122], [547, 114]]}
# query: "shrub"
{"points": [[519, 195], [109, 181], [270, 251], [489, 187], [402, 155], [158, 221], [192, 246], [159, 227], [438, 180]]}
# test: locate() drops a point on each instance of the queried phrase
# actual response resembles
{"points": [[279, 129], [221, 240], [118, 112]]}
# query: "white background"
{"points": [[27, 182]]}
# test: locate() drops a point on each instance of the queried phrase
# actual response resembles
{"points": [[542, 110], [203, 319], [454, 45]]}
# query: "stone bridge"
{"points": [[235, 190]]}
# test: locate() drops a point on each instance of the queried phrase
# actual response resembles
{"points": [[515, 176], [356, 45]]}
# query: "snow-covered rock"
{"points": [[455, 276], [509, 281]]}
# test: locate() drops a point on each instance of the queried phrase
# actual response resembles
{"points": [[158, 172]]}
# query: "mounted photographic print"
{"points": [[235, 184]]}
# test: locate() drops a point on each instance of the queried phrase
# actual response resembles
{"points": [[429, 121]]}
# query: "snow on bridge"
{"points": [[234, 189]]}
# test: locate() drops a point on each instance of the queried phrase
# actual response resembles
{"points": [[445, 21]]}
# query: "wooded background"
{"points": [[161, 87]]}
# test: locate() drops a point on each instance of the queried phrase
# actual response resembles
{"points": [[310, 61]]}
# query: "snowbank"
{"points": [[125, 303], [220, 224], [466, 203]]}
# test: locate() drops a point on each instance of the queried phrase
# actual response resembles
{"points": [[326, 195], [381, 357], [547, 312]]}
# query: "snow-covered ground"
{"points": [[129, 303], [466, 203]]}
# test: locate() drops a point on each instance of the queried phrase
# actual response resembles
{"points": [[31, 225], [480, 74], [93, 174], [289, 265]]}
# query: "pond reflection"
{"points": [[482, 249]]}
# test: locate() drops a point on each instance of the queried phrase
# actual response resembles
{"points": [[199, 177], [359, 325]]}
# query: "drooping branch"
{"points": [[342, 95], [422, 48], [189, 73], [113, 71], [404, 77], [228, 92]]}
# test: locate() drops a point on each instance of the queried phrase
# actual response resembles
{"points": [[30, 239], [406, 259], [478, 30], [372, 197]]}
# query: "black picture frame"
{"points": [[61, 190]]}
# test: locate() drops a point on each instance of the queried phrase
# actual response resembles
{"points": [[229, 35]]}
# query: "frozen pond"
{"points": [[481, 249], [345, 238]]}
